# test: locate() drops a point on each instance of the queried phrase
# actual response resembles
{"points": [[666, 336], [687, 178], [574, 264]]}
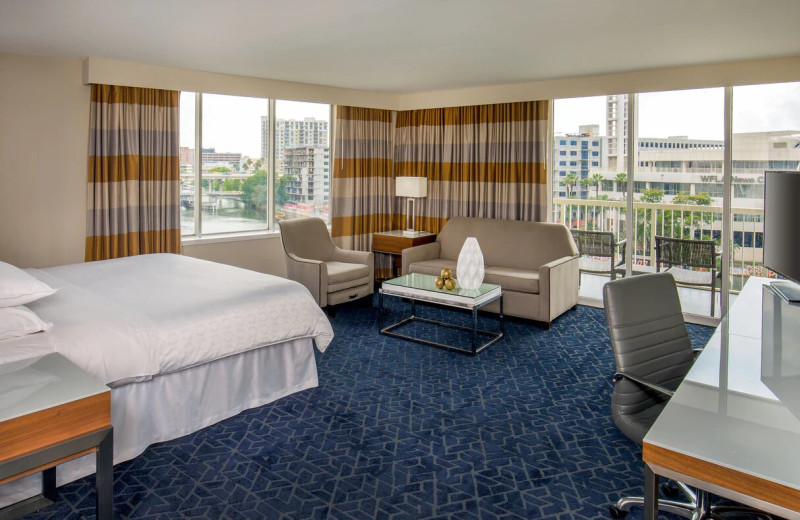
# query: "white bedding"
{"points": [[130, 319]]}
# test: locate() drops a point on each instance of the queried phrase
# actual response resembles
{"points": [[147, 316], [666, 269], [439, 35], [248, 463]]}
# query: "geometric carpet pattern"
{"points": [[400, 430]]}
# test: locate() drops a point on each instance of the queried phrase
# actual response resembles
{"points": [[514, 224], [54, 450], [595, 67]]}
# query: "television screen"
{"points": [[782, 223]]}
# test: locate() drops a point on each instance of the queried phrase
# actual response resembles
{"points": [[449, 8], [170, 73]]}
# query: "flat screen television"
{"points": [[782, 227]]}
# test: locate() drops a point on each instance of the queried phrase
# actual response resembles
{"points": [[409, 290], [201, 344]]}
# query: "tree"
{"points": [[569, 180], [220, 169], [232, 185], [699, 199], [622, 181], [652, 196], [597, 178], [282, 195], [247, 165], [254, 190]]}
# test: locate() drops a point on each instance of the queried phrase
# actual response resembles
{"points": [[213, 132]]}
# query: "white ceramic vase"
{"points": [[470, 265]]}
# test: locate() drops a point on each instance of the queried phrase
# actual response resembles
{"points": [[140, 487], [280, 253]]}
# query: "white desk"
{"points": [[731, 428]]}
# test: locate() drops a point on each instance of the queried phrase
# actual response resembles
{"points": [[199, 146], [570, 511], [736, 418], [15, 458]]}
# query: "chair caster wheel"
{"points": [[617, 512], [669, 490]]}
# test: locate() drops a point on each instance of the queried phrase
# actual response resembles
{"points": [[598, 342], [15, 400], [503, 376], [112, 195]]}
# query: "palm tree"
{"points": [[596, 179], [622, 180], [569, 180], [585, 183]]}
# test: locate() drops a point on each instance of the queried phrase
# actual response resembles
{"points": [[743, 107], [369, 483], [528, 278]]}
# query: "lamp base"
{"points": [[411, 233]]}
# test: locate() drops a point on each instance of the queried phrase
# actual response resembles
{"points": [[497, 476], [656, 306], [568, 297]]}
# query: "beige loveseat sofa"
{"points": [[536, 263]]}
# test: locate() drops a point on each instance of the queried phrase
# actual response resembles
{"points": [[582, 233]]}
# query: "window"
{"points": [[227, 179], [301, 148]]}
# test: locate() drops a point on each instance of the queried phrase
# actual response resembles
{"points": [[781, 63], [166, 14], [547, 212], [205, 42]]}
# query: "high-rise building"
{"points": [[310, 167], [291, 133], [617, 130]]}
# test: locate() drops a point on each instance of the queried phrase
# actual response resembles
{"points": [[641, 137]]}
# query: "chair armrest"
{"points": [[643, 382], [352, 257], [313, 274], [419, 253]]}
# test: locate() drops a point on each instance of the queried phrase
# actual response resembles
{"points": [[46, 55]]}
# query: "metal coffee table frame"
{"points": [[476, 348]]}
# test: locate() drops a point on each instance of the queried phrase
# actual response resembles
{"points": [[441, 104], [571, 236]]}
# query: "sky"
{"points": [[233, 123], [697, 114]]}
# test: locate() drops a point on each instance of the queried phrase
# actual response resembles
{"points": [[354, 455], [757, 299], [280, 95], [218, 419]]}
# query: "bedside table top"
{"points": [[399, 233], [32, 385]]}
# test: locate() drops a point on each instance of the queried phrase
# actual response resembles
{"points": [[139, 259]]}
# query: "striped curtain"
{"points": [[134, 174], [481, 161], [362, 189]]}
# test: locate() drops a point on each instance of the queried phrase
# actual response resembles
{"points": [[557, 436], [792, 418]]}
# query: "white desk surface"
{"points": [[728, 411], [36, 384]]}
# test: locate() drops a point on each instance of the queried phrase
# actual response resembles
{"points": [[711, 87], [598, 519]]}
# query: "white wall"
{"points": [[44, 141]]}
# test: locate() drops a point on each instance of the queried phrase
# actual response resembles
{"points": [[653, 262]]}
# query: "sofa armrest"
{"points": [[558, 286], [313, 274], [419, 253]]}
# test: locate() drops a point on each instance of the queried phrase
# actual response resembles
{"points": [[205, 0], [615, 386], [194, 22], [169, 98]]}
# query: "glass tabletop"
{"points": [[424, 282]]}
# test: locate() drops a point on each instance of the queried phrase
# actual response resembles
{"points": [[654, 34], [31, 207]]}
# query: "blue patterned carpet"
{"points": [[399, 430]]}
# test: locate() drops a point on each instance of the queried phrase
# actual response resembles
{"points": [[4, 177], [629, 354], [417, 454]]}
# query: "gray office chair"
{"points": [[653, 353]]}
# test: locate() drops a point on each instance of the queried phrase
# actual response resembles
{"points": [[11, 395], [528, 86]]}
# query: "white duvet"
{"points": [[133, 318]]}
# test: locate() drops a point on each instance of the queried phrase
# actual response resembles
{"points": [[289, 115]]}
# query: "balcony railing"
{"points": [[671, 220]]}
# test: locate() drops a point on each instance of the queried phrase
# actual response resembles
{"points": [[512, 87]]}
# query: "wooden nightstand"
{"points": [[392, 243], [51, 411]]}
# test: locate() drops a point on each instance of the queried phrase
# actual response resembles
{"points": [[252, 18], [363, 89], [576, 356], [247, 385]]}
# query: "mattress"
{"points": [[129, 319]]}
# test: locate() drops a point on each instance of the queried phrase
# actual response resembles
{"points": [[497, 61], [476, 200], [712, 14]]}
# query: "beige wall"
{"points": [[44, 121], [262, 254], [44, 133]]}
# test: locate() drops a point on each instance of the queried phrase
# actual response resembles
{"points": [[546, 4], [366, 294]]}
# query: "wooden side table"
{"points": [[51, 411], [392, 243]]}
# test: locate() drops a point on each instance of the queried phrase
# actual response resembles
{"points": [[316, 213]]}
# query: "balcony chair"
{"points": [[598, 252], [691, 262], [332, 275], [653, 353]]}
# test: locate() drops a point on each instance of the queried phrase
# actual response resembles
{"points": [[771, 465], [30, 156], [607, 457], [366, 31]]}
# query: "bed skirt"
{"points": [[180, 403]]}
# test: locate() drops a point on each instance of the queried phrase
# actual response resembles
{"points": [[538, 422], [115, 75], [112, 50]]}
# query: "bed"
{"points": [[183, 343]]}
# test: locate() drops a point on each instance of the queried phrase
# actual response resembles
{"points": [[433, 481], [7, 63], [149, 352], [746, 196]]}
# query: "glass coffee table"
{"points": [[419, 288]]}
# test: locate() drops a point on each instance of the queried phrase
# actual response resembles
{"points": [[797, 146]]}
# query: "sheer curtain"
{"points": [[133, 195]]}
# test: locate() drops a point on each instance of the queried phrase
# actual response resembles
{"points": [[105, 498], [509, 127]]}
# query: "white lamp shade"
{"points": [[411, 187]]}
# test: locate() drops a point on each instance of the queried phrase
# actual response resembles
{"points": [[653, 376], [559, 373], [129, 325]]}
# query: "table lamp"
{"points": [[412, 188]]}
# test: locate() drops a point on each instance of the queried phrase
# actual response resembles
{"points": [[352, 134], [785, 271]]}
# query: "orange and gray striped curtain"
{"points": [[481, 161], [362, 188], [134, 173]]}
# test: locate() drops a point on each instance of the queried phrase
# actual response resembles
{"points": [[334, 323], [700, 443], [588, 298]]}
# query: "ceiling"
{"points": [[405, 45]]}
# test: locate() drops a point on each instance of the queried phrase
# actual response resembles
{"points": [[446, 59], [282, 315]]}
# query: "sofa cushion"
{"points": [[341, 272], [519, 280], [433, 267]]}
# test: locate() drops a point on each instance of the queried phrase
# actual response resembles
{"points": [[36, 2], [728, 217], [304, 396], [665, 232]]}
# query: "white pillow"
{"points": [[18, 287], [20, 321]]}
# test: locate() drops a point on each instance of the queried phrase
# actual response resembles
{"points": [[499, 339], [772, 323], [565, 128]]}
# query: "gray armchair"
{"points": [[332, 275]]}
